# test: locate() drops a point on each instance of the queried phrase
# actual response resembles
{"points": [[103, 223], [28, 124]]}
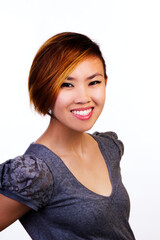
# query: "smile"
{"points": [[83, 114]]}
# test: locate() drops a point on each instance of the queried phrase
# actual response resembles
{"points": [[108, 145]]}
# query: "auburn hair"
{"points": [[54, 61]]}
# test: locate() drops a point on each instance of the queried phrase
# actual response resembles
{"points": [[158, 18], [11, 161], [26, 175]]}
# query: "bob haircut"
{"points": [[54, 61]]}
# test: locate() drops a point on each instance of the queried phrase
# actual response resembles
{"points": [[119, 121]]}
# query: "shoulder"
{"points": [[24, 166], [26, 178], [110, 141]]}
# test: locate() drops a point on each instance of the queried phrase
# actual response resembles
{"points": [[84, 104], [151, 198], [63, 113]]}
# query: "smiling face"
{"points": [[81, 97]]}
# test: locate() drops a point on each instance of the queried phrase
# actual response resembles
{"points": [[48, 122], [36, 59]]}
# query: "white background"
{"points": [[129, 35]]}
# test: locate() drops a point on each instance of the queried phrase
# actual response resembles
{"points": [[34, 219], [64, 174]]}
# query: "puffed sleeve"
{"points": [[28, 180], [113, 141]]}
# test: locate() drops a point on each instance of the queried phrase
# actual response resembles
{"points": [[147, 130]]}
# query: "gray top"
{"points": [[62, 208]]}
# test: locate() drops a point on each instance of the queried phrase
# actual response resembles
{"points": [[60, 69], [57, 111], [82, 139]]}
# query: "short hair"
{"points": [[54, 61]]}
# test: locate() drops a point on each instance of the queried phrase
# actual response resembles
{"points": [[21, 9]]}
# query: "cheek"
{"points": [[63, 99], [58, 103], [99, 96]]}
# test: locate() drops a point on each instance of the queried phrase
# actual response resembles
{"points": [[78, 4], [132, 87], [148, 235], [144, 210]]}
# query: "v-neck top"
{"points": [[62, 207]]}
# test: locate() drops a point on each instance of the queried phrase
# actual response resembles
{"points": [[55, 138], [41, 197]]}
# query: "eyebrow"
{"points": [[88, 78]]}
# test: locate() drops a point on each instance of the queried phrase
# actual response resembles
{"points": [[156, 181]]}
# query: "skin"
{"points": [[10, 211], [84, 89], [65, 136]]}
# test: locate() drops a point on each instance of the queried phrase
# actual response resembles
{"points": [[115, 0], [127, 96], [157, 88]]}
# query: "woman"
{"points": [[67, 185]]}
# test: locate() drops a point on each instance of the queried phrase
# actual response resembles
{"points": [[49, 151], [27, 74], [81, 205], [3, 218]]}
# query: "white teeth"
{"points": [[83, 113]]}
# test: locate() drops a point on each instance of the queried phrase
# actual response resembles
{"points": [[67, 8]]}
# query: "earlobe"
{"points": [[50, 113]]}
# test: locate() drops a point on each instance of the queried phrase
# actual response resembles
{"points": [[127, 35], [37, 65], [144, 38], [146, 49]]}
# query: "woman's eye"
{"points": [[68, 85], [94, 82]]}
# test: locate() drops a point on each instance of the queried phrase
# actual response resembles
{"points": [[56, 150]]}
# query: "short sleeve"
{"points": [[26, 179], [114, 142]]}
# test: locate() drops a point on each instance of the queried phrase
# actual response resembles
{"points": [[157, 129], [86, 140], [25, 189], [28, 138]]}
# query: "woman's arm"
{"points": [[10, 211]]}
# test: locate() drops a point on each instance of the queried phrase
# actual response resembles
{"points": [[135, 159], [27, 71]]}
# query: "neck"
{"points": [[60, 139]]}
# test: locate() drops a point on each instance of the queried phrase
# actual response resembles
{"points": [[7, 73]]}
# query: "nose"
{"points": [[82, 95]]}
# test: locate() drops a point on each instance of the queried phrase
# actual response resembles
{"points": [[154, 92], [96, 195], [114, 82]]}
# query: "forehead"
{"points": [[89, 65]]}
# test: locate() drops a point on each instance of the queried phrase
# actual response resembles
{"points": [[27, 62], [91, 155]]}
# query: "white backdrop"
{"points": [[129, 35]]}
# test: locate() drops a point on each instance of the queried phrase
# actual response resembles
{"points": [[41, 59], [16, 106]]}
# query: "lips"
{"points": [[83, 113]]}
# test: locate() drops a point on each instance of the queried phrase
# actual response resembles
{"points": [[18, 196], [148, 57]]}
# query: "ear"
{"points": [[106, 80]]}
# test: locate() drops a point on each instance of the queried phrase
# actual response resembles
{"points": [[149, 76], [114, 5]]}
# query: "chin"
{"points": [[83, 128]]}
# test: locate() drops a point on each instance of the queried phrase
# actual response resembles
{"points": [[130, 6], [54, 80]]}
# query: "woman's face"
{"points": [[81, 97]]}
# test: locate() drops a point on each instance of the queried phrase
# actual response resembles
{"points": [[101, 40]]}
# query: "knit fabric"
{"points": [[62, 208]]}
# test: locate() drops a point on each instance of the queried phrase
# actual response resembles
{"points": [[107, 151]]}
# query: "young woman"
{"points": [[67, 185]]}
